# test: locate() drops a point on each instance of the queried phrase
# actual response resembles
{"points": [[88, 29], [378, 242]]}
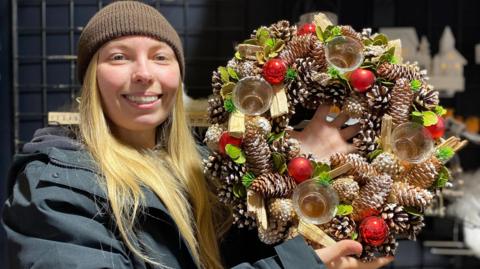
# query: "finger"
{"points": [[377, 263], [340, 249], [350, 131], [340, 120], [321, 112]]}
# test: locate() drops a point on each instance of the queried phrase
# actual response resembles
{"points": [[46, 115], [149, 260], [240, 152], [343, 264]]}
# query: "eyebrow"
{"points": [[122, 45]]}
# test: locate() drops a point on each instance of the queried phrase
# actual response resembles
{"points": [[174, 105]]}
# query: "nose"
{"points": [[142, 73]]}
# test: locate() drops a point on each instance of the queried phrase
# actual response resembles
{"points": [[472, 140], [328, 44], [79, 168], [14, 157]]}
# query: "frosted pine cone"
{"points": [[371, 196], [396, 71], [355, 105], [225, 193], [395, 217], [378, 98], [283, 30], [364, 142], [423, 174], [241, 217], [216, 112], [212, 166], [415, 226], [273, 185], [407, 195], [387, 163], [289, 147], [347, 189], [298, 47], [281, 210], [401, 102], [231, 171], [217, 83], [426, 98], [389, 247], [244, 68], [340, 227], [257, 153], [212, 136], [318, 54], [362, 171], [334, 93], [275, 233]]}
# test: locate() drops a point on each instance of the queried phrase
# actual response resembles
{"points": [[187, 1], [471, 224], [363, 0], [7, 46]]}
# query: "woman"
{"points": [[128, 191]]}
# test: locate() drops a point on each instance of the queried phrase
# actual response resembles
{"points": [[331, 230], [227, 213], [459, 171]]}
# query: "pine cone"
{"points": [[257, 153], [379, 98], [272, 185], [396, 71], [371, 121], [217, 83], [395, 217], [364, 142], [225, 193], [347, 189], [415, 226], [289, 147], [389, 247], [355, 105], [423, 174], [231, 171], [387, 163], [334, 94], [212, 136], [283, 30], [340, 227], [275, 233], [368, 253], [244, 68], [362, 171], [347, 30], [374, 51], [212, 166], [298, 47], [241, 217], [401, 101], [216, 112], [281, 210], [318, 54], [426, 98], [372, 195], [407, 195]]}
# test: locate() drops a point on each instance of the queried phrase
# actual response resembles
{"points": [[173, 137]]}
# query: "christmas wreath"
{"points": [[375, 195]]}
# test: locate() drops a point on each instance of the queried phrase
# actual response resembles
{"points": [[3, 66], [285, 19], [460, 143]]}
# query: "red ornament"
{"points": [[226, 139], [437, 130], [274, 71], [307, 28], [373, 231], [300, 169], [362, 79]]}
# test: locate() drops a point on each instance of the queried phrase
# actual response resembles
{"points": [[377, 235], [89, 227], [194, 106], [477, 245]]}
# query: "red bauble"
{"points": [[274, 71], [226, 139], [362, 79], [373, 231], [307, 28], [300, 169], [437, 130]]}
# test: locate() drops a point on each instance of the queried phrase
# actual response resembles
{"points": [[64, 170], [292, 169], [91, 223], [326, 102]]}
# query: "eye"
{"points": [[117, 57], [161, 57]]}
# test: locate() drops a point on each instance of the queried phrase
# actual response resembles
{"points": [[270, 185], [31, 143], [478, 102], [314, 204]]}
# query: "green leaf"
{"points": [[239, 190], [275, 136], [270, 42], [354, 236], [241, 159], [229, 106], [412, 211], [440, 111], [415, 85], [380, 40], [319, 168], [247, 179], [429, 118], [279, 45], [291, 74], [319, 33], [443, 177], [333, 72], [393, 60], [279, 162], [238, 56], [372, 155], [324, 178], [444, 154], [336, 31], [262, 35], [227, 90], [232, 73], [232, 151], [224, 74], [417, 117], [343, 210]]}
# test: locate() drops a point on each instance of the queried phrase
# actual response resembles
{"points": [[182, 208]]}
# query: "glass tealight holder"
{"points": [[315, 203], [344, 53], [252, 96], [412, 143]]}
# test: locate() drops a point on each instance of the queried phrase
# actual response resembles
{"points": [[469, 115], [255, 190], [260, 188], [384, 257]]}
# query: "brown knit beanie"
{"points": [[125, 18]]}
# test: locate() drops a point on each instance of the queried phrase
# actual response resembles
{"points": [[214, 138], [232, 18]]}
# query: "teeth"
{"points": [[142, 99]]}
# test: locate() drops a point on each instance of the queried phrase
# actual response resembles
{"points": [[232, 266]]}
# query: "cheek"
{"points": [[110, 80]]}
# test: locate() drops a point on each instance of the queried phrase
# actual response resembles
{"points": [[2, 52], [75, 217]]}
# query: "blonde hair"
{"points": [[176, 176]]}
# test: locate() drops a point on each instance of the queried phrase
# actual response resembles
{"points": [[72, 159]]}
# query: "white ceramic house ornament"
{"points": [[409, 38], [477, 53], [447, 75], [424, 58]]}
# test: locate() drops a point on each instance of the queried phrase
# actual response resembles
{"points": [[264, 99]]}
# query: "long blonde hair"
{"points": [[176, 176]]}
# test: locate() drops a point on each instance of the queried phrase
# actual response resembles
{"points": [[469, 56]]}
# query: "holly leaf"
{"points": [[233, 151], [440, 111], [417, 117], [241, 159], [343, 210], [224, 74], [412, 211], [232, 73], [319, 168], [279, 162], [415, 85], [239, 190], [275, 136], [247, 179], [336, 31], [324, 178], [444, 154], [229, 106], [372, 155], [443, 177], [319, 33], [429, 118], [291, 74], [354, 236]]}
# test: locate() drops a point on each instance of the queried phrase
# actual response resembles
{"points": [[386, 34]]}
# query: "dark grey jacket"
{"points": [[56, 216]]}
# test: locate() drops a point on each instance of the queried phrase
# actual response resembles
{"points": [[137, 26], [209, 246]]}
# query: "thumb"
{"points": [[339, 249]]}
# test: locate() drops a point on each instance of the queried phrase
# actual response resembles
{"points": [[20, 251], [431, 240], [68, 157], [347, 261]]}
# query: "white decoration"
{"points": [[477, 53], [424, 57], [409, 38], [308, 17]]}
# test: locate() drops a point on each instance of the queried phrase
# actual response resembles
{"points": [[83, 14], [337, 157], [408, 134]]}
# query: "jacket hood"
{"points": [[56, 136]]}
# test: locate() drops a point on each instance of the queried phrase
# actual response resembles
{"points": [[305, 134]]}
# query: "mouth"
{"points": [[143, 99]]}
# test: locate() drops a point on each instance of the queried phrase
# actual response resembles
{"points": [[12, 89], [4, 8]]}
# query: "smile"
{"points": [[138, 99]]}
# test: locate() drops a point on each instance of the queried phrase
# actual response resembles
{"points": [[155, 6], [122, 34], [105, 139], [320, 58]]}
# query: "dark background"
{"points": [[37, 72]]}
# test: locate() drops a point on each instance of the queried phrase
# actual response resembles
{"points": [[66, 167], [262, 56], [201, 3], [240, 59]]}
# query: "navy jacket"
{"points": [[56, 216]]}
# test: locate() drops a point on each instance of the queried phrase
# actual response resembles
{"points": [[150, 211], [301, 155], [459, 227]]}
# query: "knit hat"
{"points": [[125, 18]]}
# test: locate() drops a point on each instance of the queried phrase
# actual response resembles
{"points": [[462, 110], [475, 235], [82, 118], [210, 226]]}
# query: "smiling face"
{"points": [[138, 78]]}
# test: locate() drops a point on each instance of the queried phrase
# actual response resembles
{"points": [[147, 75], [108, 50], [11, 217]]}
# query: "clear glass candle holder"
{"points": [[252, 96], [315, 203], [344, 53], [412, 143]]}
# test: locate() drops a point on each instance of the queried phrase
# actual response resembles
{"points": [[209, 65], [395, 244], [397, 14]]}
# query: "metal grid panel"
{"points": [[45, 35]]}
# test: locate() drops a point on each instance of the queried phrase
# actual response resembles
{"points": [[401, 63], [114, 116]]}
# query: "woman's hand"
{"points": [[323, 138], [336, 256]]}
